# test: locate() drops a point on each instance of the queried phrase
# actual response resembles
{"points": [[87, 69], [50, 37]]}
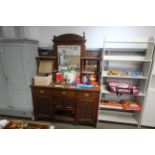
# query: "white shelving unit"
{"points": [[126, 55]]}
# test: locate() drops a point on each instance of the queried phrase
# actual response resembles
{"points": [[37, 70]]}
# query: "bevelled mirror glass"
{"points": [[69, 57]]}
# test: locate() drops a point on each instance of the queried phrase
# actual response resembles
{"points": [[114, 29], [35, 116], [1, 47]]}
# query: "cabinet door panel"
{"points": [[20, 99], [59, 102], [14, 69], [4, 99], [85, 111], [42, 107], [2, 76], [70, 103]]}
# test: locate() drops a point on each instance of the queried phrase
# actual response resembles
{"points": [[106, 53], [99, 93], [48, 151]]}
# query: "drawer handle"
{"points": [[63, 93], [42, 91], [86, 95]]}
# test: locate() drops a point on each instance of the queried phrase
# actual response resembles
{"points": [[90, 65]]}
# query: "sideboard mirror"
{"points": [[69, 55], [68, 48]]}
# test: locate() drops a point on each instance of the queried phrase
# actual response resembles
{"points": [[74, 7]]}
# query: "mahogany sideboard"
{"points": [[67, 104]]}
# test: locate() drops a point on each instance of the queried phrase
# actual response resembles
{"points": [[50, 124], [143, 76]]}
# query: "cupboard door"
{"points": [[87, 107], [58, 102], [70, 104], [42, 104], [2, 77], [42, 107], [14, 68], [85, 111], [15, 77], [4, 98], [64, 100]]}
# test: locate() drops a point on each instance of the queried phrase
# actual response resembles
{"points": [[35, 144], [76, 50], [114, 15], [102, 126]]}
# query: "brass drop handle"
{"points": [[86, 94], [42, 91], [63, 93]]}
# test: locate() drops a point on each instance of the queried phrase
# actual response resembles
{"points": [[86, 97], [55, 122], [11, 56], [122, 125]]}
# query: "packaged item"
{"points": [[44, 76], [59, 77], [92, 79], [122, 88], [43, 80], [130, 105], [111, 104]]}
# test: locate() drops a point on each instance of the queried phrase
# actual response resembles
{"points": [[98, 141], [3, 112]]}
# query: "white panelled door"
{"points": [[15, 76], [4, 99]]}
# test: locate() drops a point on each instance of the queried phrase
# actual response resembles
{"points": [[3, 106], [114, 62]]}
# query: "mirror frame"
{"points": [[69, 39]]}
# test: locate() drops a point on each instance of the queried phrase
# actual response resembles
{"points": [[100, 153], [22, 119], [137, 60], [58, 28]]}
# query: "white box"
{"points": [[44, 76], [42, 80]]}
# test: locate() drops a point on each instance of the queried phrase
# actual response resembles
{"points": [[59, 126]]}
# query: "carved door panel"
{"points": [[58, 102], [43, 107], [85, 111], [42, 104], [70, 104]]}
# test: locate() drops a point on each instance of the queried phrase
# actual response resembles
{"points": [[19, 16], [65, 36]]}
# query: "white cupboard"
{"points": [[148, 118], [16, 72]]}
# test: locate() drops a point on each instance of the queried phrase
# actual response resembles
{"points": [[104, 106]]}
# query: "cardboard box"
{"points": [[42, 80], [45, 67], [44, 76]]}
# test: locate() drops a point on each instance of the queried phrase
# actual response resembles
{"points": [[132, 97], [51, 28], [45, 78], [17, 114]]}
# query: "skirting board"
{"points": [[16, 113]]}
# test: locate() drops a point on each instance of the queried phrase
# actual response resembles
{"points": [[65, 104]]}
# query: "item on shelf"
{"points": [[112, 72], [84, 86], [74, 68], [44, 76], [77, 79], [91, 65], [84, 79], [71, 76], [45, 52], [123, 73], [92, 79], [134, 73], [111, 104], [122, 88], [59, 77], [130, 105], [63, 69]]}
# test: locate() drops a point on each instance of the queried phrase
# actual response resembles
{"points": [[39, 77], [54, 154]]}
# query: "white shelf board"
{"points": [[119, 117], [125, 49], [125, 58], [105, 91], [104, 74], [129, 41]]}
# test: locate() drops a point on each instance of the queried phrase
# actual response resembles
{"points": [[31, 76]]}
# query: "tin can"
{"points": [[59, 77]]}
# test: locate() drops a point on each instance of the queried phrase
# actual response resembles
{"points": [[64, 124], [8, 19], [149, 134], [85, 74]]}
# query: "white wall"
{"points": [[94, 34]]}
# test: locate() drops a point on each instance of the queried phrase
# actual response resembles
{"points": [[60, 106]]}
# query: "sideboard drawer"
{"points": [[87, 95], [41, 91], [64, 93]]}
